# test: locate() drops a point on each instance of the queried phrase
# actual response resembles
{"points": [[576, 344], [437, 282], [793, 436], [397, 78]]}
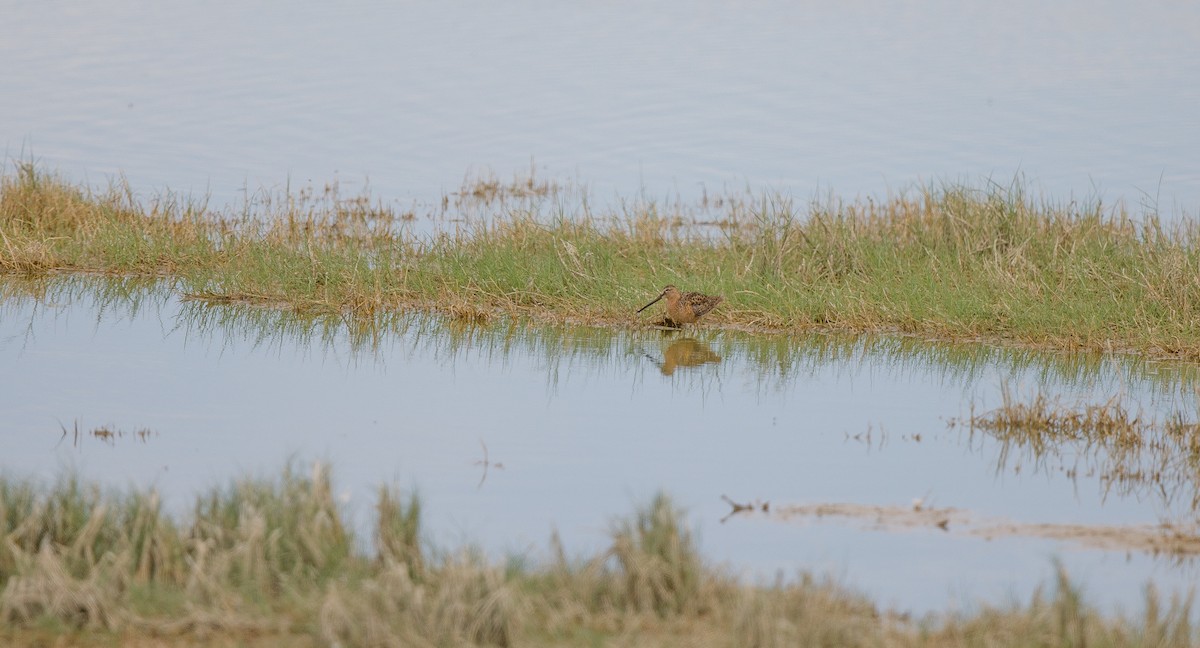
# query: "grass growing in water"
{"points": [[953, 262], [271, 563], [1154, 457]]}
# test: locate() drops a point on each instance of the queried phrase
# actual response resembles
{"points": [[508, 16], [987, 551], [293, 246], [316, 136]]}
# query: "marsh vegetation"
{"points": [[273, 561], [1155, 456], [948, 262]]}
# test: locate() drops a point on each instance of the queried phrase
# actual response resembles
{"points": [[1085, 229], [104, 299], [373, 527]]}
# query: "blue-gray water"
{"points": [[1084, 99]]}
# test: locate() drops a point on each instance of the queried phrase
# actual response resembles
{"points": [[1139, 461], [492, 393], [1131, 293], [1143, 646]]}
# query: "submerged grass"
{"points": [[1153, 457], [270, 562], [952, 262]]}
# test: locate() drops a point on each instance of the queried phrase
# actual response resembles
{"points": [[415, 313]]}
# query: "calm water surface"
{"points": [[589, 424], [1085, 99]]}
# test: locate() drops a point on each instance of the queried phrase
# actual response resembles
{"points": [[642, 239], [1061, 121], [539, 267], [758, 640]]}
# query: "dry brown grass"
{"points": [[269, 563], [1044, 420], [1156, 457]]}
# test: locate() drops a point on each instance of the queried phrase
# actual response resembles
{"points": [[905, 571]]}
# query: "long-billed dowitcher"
{"points": [[685, 307]]}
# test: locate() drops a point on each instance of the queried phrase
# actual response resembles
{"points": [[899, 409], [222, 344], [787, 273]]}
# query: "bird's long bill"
{"points": [[655, 301]]}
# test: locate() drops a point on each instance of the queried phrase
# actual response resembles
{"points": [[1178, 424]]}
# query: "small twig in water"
{"points": [[486, 463], [737, 508]]}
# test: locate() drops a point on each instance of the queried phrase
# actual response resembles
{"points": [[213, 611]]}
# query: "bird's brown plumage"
{"points": [[685, 307]]}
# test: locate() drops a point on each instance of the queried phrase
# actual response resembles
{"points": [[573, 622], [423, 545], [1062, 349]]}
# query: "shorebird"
{"points": [[685, 307]]}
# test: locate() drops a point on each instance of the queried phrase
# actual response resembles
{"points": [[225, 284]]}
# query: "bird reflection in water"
{"points": [[685, 352]]}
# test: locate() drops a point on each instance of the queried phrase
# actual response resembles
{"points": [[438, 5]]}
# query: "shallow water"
{"points": [[579, 425], [1085, 99]]}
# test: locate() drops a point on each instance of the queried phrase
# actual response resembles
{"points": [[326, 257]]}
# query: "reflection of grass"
{"points": [[775, 360], [1043, 419], [951, 263], [1157, 457], [271, 562], [104, 433]]}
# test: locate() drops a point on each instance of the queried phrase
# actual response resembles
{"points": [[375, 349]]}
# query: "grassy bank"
{"points": [[273, 563], [952, 262]]}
